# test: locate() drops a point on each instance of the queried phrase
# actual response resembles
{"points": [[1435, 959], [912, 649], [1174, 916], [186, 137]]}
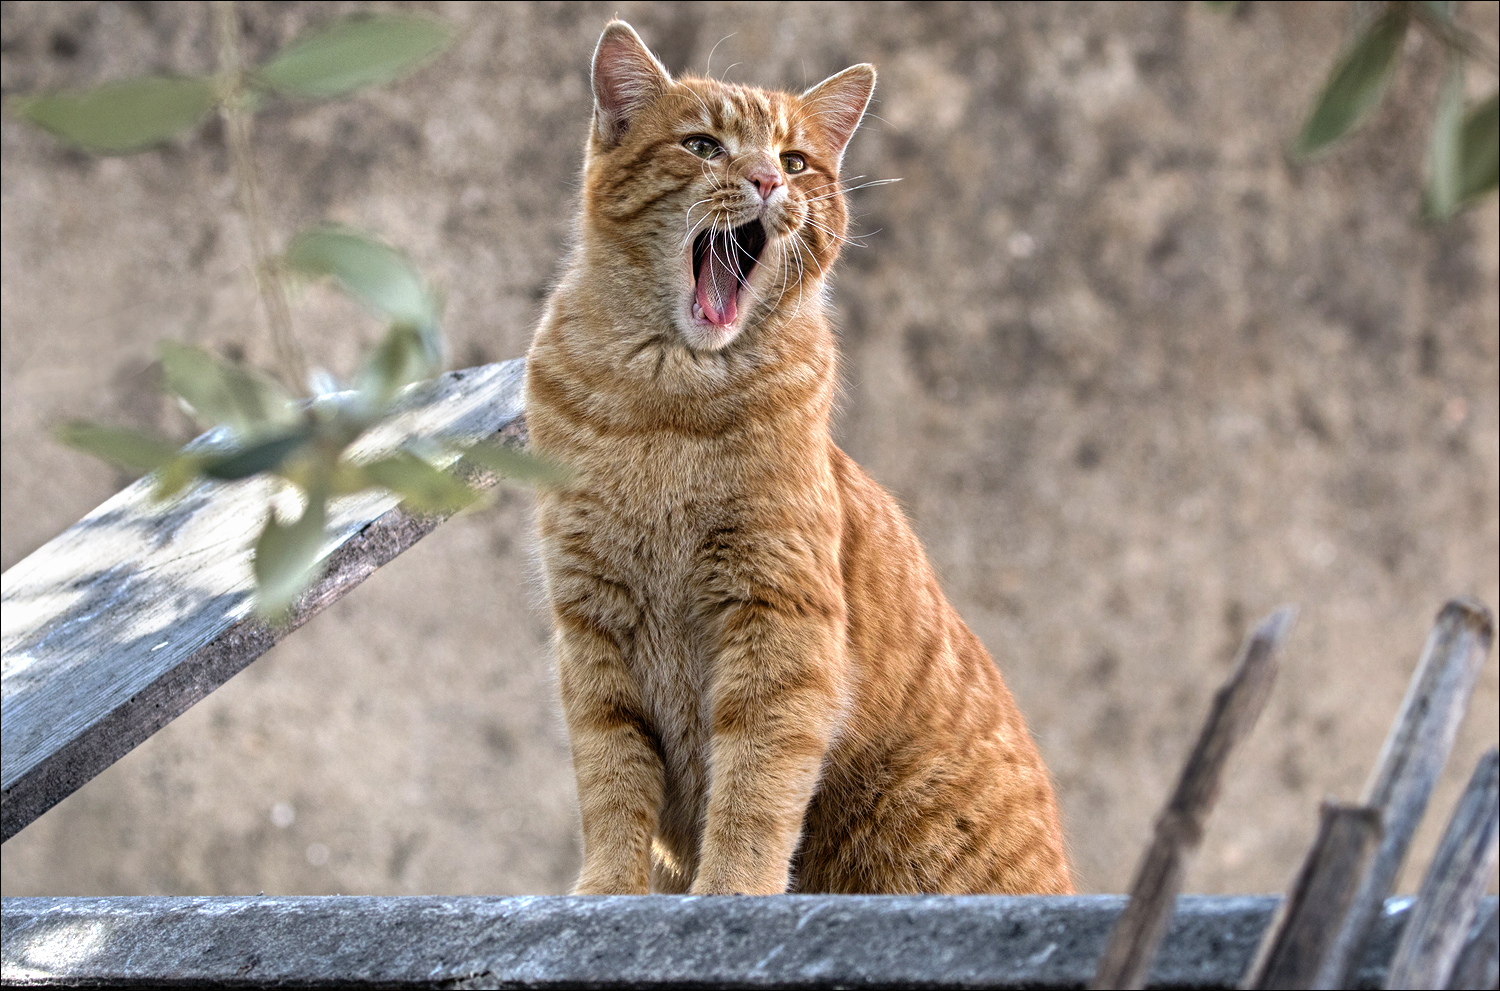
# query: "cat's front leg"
{"points": [[616, 763], [777, 695]]}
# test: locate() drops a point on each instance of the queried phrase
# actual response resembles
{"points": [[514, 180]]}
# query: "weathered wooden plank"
{"points": [[118, 625], [1478, 964], [656, 941], [1449, 896], [1179, 830], [1299, 939], [1410, 762]]}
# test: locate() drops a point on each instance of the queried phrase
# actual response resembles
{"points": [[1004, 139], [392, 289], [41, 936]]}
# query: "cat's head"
{"points": [[725, 197]]}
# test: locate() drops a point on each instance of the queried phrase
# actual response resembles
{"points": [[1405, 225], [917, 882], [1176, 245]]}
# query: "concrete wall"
{"points": [[1136, 378]]}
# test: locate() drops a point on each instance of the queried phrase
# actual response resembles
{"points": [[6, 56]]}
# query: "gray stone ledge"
{"points": [[806, 941]]}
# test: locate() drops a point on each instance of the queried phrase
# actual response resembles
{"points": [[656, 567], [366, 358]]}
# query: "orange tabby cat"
{"points": [[765, 689]]}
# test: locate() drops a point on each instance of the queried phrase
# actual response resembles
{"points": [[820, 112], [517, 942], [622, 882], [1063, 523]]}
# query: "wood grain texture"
{"points": [[1299, 938], [1450, 893], [1479, 963], [1410, 763], [653, 941], [1179, 830], [123, 621]]}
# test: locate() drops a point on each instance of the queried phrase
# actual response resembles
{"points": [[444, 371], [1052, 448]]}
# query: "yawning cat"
{"points": [[764, 687]]}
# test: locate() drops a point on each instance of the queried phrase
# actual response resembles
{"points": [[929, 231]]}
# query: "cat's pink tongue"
{"points": [[718, 285]]}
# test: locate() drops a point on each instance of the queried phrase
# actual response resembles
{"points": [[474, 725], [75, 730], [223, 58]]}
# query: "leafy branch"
{"points": [[1463, 155], [258, 426]]}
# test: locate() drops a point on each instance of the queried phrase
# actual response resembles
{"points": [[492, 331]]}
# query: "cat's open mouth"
{"points": [[722, 263]]}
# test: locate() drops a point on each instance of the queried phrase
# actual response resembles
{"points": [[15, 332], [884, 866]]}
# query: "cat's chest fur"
{"points": [[643, 527], [675, 525], [637, 548], [685, 506]]}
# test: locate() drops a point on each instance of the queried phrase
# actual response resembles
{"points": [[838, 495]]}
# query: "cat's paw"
{"points": [[735, 883], [611, 883]]}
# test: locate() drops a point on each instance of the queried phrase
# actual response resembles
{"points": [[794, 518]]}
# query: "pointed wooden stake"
{"points": [[1179, 829]]}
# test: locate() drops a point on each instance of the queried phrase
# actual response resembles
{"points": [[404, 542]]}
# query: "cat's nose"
{"points": [[766, 179]]}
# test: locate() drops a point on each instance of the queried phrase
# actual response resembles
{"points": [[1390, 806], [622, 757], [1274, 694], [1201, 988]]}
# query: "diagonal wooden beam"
{"points": [[119, 624]]}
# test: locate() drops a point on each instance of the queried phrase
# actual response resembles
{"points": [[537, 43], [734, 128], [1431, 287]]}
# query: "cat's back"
{"points": [[936, 784]]}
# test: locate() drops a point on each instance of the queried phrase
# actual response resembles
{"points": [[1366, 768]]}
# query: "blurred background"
{"points": [[1136, 376]]}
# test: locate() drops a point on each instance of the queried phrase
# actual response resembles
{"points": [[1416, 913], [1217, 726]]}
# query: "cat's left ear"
{"points": [[627, 78], [837, 105]]}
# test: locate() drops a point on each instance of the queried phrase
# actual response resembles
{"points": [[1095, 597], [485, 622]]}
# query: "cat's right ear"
{"points": [[837, 105], [627, 78]]}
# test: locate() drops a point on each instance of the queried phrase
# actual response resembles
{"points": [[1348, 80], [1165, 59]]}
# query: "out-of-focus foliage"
{"points": [[1445, 148], [263, 430], [259, 427], [122, 117], [1463, 161], [130, 116], [1356, 84], [374, 274], [1479, 160], [352, 54]]}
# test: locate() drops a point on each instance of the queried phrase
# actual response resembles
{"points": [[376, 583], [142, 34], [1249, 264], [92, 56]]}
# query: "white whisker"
{"points": [[708, 62], [863, 185], [846, 239]]}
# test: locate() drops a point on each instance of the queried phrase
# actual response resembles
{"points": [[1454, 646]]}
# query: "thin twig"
{"points": [[235, 109], [1455, 36], [1179, 829], [1449, 897]]}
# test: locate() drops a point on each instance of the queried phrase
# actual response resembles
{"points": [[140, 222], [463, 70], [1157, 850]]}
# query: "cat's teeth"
{"points": [[698, 311]]}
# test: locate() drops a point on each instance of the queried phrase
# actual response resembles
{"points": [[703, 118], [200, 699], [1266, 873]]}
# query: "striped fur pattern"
{"points": [[764, 687]]}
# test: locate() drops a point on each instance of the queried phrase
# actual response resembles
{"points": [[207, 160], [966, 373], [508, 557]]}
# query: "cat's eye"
{"points": [[702, 147], [793, 163]]}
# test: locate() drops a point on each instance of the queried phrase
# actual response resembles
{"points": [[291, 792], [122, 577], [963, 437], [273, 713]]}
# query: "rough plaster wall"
{"points": [[1136, 378]]}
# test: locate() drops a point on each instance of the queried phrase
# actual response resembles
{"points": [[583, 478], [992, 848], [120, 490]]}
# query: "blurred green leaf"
{"points": [[174, 467], [377, 275], [173, 476], [509, 462], [122, 117], [1481, 149], [247, 402], [347, 478], [130, 448], [402, 357], [1440, 8], [254, 458], [423, 488], [286, 557], [353, 53], [1355, 85], [1445, 149]]}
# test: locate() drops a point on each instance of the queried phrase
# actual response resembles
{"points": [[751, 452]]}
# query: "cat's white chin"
{"points": [[702, 334]]}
